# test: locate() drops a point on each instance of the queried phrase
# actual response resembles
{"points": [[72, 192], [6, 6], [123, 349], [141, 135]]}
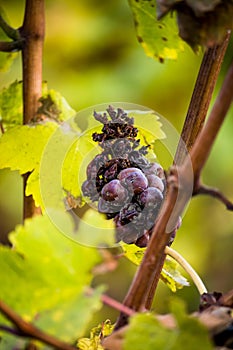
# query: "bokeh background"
{"points": [[92, 56]]}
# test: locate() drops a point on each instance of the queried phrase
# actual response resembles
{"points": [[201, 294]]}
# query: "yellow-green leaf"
{"points": [[159, 39]]}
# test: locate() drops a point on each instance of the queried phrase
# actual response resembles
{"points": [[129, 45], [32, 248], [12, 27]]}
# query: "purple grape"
{"points": [[108, 208], [151, 197], [155, 181], [129, 213], [133, 179], [154, 169], [126, 233], [89, 190], [114, 191], [126, 172], [143, 240]]}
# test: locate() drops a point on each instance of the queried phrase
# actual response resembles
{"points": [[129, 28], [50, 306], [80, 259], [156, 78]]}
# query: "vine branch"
{"points": [[149, 271], [201, 97], [196, 115], [25, 329], [32, 32]]}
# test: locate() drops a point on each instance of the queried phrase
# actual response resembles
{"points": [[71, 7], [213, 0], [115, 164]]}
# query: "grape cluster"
{"points": [[128, 188]]}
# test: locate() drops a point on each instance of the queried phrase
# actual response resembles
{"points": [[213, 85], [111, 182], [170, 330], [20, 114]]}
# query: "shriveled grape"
{"points": [[114, 191]]}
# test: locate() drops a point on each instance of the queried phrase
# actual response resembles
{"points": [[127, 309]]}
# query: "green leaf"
{"points": [[6, 60], [44, 150], [63, 159], [192, 332], [170, 274], [11, 109], [159, 39], [172, 277], [133, 252], [96, 335], [21, 147], [55, 106], [149, 126], [147, 333], [49, 272], [72, 178], [100, 230]]}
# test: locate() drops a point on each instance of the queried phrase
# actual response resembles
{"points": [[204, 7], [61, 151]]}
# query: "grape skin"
{"points": [[133, 179], [114, 191], [150, 197], [155, 181], [154, 169]]}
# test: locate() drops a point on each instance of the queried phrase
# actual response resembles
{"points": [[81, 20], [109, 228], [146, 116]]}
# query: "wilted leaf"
{"points": [[201, 23]]}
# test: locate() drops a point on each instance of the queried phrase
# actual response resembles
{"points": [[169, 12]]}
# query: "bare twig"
{"points": [[32, 32], [214, 192], [200, 101], [10, 46], [10, 330], [150, 269], [8, 30], [25, 329], [113, 303]]}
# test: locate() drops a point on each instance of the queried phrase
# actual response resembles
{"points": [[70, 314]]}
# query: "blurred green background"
{"points": [[92, 56]]}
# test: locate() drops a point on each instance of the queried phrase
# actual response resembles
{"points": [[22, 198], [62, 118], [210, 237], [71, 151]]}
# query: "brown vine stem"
{"points": [[25, 329], [200, 151], [175, 202], [196, 114], [200, 101], [32, 33]]}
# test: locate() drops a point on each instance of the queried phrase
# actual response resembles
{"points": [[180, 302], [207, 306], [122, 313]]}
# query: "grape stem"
{"points": [[188, 268]]}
